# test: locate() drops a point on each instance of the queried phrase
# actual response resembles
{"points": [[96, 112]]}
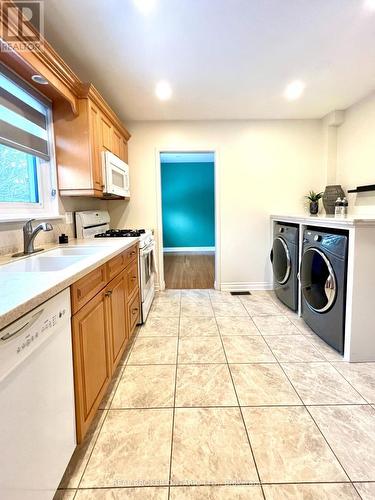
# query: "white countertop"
{"points": [[350, 220], [20, 292]]}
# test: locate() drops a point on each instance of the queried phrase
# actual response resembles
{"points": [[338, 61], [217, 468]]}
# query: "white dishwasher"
{"points": [[37, 419]]}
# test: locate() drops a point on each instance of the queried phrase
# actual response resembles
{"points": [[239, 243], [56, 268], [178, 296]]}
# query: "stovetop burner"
{"points": [[121, 233]]}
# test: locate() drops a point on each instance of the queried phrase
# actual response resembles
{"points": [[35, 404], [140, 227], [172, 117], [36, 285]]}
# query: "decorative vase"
{"points": [[314, 207], [330, 195]]}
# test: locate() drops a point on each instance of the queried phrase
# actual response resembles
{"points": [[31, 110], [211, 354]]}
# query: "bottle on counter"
{"points": [[338, 207]]}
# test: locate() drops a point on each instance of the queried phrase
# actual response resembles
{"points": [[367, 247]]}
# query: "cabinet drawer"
{"points": [[116, 265], [87, 287], [132, 278], [131, 254], [133, 313]]}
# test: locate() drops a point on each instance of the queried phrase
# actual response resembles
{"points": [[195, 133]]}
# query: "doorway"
{"points": [[187, 188]]}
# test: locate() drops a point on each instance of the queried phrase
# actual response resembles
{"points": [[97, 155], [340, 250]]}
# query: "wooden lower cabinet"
{"points": [[101, 328], [117, 317], [92, 370]]}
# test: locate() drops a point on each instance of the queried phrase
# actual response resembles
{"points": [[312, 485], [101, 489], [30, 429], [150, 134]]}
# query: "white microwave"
{"points": [[115, 175]]}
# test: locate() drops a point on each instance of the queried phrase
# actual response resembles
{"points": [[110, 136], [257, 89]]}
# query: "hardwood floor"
{"points": [[189, 270]]}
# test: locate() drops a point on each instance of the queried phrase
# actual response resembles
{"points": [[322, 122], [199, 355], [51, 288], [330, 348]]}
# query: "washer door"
{"points": [[280, 258], [318, 281]]}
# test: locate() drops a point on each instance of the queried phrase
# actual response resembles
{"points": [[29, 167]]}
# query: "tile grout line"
{"points": [[240, 410], [306, 408], [174, 403], [351, 385], [325, 360], [92, 449], [286, 405], [329, 361], [105, 417], [320, 431]]}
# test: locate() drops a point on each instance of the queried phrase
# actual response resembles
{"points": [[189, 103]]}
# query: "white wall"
{"points": [[265, 167], [356, 153]]}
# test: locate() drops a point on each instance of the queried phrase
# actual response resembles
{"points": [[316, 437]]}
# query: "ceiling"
{"points": [[225, 59]]}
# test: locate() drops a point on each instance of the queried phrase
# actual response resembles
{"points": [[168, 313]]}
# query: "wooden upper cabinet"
{"points": [[124, 151], [96, 159], [106, 134], [80, 141], [116, 142]]}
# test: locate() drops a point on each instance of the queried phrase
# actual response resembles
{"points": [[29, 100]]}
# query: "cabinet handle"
{"points": [[133, 278], [134, 311], [108, 294], [133, 252]]}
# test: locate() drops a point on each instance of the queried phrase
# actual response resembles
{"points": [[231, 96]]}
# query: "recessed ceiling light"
{"points": [[39, 79], [145, 6], [163, 90], [294, 90], [369, 4]]}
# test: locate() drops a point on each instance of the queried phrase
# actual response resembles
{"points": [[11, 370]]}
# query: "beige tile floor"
{"points": [[223, 397]]}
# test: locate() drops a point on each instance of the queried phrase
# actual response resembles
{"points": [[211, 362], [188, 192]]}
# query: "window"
{"points": [[27, 168]]}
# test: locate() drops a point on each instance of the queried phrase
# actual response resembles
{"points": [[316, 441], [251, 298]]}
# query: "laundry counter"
{"points": [[360, 279]]}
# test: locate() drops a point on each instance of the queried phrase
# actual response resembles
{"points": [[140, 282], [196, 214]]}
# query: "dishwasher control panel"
{"points": [[47, 324], [20, 339]]}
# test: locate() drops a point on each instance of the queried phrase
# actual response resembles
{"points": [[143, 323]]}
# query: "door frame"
{"points": [[159, 236]]}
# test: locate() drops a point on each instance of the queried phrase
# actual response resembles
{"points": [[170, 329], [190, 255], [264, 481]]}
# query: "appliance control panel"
{"points": [[20, 339]]}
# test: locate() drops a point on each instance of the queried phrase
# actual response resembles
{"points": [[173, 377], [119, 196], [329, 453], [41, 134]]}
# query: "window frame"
{"points": [[48, 205]]}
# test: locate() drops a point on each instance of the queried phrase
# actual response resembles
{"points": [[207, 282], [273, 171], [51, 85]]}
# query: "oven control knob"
{"points": [[317, 237]]}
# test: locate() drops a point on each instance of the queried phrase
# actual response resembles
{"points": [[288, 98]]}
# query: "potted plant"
{"points": [[314, 201]]}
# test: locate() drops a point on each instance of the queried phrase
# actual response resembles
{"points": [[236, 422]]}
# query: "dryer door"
{"points": [[281, 262], [318, 281]]}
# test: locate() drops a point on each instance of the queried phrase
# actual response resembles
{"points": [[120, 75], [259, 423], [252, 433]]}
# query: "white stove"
{"points": [[96, 224]]}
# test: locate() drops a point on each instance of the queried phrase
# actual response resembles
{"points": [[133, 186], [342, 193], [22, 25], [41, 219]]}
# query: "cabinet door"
{"points": [[124, 150], [95, 140], [92, 371], [117, 314], [116, 142], [106, 134]]}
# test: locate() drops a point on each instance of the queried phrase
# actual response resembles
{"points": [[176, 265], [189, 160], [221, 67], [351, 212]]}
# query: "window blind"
{"points": [[23, 117]]}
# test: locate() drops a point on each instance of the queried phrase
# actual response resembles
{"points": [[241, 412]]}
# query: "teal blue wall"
{"points": [[188, 200]]}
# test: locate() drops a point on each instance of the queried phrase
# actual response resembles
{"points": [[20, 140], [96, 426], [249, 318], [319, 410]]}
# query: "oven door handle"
{"points": [[147, 250]]}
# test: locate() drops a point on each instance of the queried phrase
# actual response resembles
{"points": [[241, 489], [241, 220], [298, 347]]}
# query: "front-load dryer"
{"points": [[284, 258], [323, 284]]}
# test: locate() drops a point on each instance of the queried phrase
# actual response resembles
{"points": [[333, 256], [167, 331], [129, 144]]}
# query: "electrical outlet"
{"points": [[68, 217]]}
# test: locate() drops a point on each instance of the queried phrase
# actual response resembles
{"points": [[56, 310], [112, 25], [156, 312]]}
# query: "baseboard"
{"points": [[188, 249], [159, 286], [233, 286]]}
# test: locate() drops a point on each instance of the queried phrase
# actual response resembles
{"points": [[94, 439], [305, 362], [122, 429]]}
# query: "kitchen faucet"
{"points": [[29, 234]]}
